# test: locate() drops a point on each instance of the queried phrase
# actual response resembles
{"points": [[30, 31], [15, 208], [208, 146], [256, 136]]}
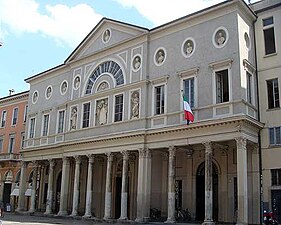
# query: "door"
{"points": [[276, 203], [200, 193], [7, 193], [57, 196], [118, 188]]}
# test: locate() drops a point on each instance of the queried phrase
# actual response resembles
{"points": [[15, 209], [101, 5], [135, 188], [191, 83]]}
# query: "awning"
{"points": [[15, 192], [28, 192]]}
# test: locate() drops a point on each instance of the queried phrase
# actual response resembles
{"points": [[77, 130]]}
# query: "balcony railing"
{"points": [[9, 156]]}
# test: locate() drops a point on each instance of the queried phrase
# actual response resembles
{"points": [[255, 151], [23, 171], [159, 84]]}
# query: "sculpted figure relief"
{"points": [[49, 92], [106, 36], [135, 100], [221, 39], [73, 118], [137, 63], [77, 82], [189, 48], [102, 109], [64, 87], [160, 57]]}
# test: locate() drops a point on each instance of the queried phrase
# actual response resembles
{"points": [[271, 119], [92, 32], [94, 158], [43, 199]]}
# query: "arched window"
{"points": [[106, 67]]}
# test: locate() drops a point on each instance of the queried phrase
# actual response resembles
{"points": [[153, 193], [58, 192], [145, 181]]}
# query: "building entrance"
{"points": [[200, 192], [276, 203]]}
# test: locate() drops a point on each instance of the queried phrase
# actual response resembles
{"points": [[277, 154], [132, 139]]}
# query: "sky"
{"points": [[37, 35]]}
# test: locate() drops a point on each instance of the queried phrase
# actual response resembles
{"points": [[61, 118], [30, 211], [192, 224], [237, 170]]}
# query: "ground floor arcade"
{"points": [[215, 175]]}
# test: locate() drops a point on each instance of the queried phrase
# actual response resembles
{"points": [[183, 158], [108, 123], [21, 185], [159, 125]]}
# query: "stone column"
{"points": [[208, 184], [64, 187], [89, 195], [108, 188], [124, 192], [144, 185], [33, 190], [171, 186], [49, 202], [76, 186], [22, 189], [242, 181], [164, 182], [41, 186]]}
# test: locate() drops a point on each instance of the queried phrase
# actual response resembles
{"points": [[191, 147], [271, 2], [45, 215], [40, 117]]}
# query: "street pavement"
{"points": [[15, 219]]}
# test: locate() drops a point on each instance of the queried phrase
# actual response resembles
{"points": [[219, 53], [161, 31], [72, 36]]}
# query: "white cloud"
{"points": [[160, 12], [67, 25]]}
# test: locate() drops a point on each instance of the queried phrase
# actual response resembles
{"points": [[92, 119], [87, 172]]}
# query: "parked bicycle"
{"points": [[183, 215]]}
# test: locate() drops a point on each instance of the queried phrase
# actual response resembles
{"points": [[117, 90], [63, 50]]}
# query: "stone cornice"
{"points": [[238, 120]]}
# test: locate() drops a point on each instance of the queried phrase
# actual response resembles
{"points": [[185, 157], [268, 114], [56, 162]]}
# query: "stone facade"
{"points": [[106, 129]]}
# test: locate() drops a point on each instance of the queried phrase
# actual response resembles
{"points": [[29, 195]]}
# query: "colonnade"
{"points": [[143, 187]]}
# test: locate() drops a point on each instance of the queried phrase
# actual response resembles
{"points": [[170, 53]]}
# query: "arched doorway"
{"points": [[57, 196], [200, 192]]}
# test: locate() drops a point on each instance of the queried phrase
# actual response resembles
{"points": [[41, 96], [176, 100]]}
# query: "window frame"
{"points": [[61, 130], [1, 143], [83, 113], [11, 143], [25, 113], [277, 176], [154, 99], [274, 130], [267, 27], [250, 88], [15, 119], [3, 118], [114, 108], [32, 128], [43, 125], [192, 104], [273, 105]]}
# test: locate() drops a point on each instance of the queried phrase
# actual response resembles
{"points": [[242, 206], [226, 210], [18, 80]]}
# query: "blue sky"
{"points": [[41, 34]]}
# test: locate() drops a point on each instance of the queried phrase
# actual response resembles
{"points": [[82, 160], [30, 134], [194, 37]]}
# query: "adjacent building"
{"points": [[13, 115], [268, 32]]}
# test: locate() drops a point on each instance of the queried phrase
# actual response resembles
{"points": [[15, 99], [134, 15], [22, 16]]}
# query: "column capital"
{"points": [[35, 163], [241, 143], [91, 158], [109, 156], [172, 152], [165, 156], [125, 155], [51, 163], [208, 144], [65, 160], [24, 164], [78, 159], [189, 152], [144, 153]]}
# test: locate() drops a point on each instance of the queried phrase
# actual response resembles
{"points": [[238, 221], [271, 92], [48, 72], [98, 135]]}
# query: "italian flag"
{"points": [[188, 115]]}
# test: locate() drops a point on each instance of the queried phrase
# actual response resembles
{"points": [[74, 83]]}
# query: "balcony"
{"points": [[9, 156]]}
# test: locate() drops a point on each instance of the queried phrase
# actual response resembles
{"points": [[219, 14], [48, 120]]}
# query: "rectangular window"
{"points": [[222, 86], [45, 125], [159, 100], [22, 140], [25, 113], [249, 88], [276, 177], [269, 36], [86, 115], [61, 122], [275, 136], [118, 115], [188, 90], [1, 143], [273, 93], [3, 118], [15, 116], [32, 128], [11, 143]]}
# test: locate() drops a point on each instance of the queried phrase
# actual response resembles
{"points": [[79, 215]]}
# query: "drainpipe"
{"points": [[259, 133]]}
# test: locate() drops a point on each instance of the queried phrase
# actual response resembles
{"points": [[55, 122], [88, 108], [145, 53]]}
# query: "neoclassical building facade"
{"points": [[106, 133]]}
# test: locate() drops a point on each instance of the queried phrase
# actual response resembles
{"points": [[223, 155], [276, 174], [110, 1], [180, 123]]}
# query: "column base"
{"points": [[170, 220], [73, 214], [47, 213], [123, 218], [86, 216], [208, 222], [241, 223], [142, 220], [62, 213]]}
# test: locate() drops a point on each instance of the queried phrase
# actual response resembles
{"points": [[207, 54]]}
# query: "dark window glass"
{"points": [[273, 94], [118, 116], [86, 115], [222, 87]]}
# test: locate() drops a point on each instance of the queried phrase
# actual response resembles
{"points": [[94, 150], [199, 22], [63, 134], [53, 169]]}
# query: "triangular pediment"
{"points": [[105, 34]]}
